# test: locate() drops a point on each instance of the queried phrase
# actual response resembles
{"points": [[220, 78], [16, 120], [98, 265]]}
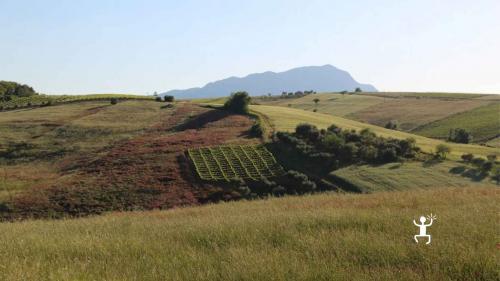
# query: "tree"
{"points": [[316, 100], [358, 90], [442, 150], [459, 135], [113, 100], [238, 103], [168, 98]]}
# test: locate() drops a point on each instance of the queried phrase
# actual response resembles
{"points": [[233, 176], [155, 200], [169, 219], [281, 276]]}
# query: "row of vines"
{"points": [[224, 163]]}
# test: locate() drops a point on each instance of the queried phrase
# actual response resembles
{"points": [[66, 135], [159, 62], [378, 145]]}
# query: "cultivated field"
{"points": [[224, 163], [320, 237], [286, 119]]}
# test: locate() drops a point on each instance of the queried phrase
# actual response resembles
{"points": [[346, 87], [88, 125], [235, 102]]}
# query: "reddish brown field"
{"points": [[149, 171]]}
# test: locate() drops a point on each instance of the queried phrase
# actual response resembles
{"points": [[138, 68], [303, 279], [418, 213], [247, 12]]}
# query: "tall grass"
{"points": [[320, 237]]}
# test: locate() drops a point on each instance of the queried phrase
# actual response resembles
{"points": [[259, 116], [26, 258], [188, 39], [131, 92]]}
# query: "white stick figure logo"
{"points": [[423, 227]]}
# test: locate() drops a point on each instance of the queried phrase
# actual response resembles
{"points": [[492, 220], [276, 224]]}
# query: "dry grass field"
{"points": [[320, 237]]}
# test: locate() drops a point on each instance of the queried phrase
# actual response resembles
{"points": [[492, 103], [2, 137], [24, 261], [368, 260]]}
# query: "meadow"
{"points": [[482, 122], [320, 237], [411, 176]]}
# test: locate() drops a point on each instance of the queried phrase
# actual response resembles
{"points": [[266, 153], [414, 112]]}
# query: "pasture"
{"points": [[482, 122]]}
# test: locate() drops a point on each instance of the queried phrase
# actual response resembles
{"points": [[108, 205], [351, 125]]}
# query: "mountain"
{"points": [[326, 78]]}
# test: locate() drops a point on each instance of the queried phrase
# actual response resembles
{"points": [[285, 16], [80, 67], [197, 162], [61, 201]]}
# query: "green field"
{"points": [[39, 100], [286, 119], [320, 237], [409, 176], [223, 163], [483, 123]]}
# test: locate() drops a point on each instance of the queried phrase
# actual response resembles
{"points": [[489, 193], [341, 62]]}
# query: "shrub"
{"points": [[238, 103], [478, 162], [459, 136], [168, 98], [491, 157], [256, 130], [467, 157], [158, 99], [495, 173], [358, 90], [114, 100], [392, 125], [486, 167], [307, 131], [442, 150]]}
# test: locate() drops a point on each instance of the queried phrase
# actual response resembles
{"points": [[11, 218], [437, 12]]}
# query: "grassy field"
{"points": [[320, 237], [286, 119], [411, 176], [39, 100], [483, 123], [330, 103]]}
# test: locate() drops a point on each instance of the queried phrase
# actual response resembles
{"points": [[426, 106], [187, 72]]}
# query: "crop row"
{"points": [[223, 163]]}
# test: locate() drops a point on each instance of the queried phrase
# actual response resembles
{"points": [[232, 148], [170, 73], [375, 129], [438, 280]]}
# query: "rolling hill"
{"points": [[325, 78], [286, 119]]}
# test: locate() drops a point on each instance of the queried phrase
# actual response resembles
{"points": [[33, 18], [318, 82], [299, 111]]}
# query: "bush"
{"points": [[158, 99], [238, 103], [114, 100], [459, 136], [307, 131], [442, 150], [467, 157], [491, 157], [256, 130], [392, 125], [168, 98]]}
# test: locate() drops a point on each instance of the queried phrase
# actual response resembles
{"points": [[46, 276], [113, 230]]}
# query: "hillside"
{"points": [[426, 114], [320, 237], [286, 118], [325, 78]]}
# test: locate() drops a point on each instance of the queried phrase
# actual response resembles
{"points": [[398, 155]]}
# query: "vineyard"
{"points": [[46, 100], [223, 163]]}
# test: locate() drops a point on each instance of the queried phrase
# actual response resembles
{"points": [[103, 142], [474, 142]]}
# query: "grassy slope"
{"points": [[82, 128], [320, 237], [409, 175], [482, 122], [287, 119]]}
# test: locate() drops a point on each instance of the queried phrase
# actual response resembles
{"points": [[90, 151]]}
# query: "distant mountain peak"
{"points": [[325, 78]]}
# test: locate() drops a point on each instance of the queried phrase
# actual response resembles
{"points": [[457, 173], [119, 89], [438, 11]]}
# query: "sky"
{"points": [[104, 46]]}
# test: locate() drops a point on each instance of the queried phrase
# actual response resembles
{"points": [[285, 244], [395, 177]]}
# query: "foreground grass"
{"points": [[286, 119], [320, 237]]}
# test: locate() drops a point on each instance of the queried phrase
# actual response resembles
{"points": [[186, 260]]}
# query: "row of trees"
{"points": [[334, 148], [9, 90]]}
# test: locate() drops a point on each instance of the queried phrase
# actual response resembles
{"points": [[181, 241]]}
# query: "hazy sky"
{"points": [[144, 46]]}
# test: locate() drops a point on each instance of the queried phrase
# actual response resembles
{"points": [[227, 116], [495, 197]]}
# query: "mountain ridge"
{"points": [[326, 78]]}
